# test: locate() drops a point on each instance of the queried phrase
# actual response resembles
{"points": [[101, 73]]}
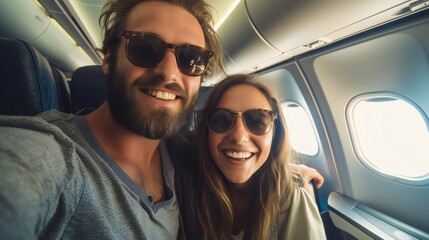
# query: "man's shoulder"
{"points": [[181, 149], [30, 122], [23, 138], [43, 118], [46, 123], [54, 115]]}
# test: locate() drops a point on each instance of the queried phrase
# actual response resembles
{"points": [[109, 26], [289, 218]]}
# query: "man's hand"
{"points": [[307, 175]]}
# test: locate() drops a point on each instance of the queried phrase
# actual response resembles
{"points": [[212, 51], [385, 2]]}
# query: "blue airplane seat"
{"points": [[88, 89], [63, 89], [27, 86]]}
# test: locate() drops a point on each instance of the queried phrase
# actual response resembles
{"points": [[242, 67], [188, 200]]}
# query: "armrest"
{"points": [[366, 223]]}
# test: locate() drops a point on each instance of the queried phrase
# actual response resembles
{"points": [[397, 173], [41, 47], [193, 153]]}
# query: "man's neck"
{"points": [[138, 156], [118, 141]]}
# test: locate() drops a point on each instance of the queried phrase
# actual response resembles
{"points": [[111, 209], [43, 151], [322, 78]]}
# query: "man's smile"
{"points": [[160, 94]]}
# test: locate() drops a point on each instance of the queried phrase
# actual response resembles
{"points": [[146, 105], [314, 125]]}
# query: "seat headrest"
{"points": [[88, 88], [26, 83]]}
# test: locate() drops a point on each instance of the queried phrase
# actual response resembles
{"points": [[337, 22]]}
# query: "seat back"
{"points": [[88, 89], [27, 86], [63, 89]]}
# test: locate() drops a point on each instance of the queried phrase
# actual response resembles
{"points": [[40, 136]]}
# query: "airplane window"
{"points": [[302, 136], [392, 137]]}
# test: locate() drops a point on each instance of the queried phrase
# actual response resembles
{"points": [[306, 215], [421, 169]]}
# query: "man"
{"points": [[108, 175]]}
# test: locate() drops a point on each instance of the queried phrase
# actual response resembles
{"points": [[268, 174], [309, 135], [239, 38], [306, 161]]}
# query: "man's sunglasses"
{"points": [[257, 121], [147, 50]]}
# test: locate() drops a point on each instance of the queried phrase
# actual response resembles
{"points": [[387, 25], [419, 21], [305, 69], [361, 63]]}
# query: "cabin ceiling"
{"points": [[273, 30]]}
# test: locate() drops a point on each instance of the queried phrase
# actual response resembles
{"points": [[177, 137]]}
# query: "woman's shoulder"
{"points": [[297, 196], [302, 196], [299, 200], [299, 217]]}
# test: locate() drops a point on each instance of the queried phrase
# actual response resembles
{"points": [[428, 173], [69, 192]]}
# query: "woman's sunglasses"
{"points": [[257, 121], [147, 50]]}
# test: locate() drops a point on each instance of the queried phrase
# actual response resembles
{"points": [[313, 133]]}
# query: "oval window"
{"points": [[301, 132], [391, 136]]}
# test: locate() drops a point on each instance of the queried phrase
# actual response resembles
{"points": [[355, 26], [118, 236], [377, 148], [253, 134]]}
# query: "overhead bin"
{"points": [[41, 33], [16, 25], [259, 33], [243, 47], [294, 23]]}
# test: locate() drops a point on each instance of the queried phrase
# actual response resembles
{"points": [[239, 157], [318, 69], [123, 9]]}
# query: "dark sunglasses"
{"points": [[257, 121], [147, 50]]}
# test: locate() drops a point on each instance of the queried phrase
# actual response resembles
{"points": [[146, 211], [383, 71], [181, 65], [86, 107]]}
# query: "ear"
{"points": [[106, 63]]}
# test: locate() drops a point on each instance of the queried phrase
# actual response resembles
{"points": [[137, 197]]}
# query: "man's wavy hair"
{"points": [[115, 12], [272, 183]]}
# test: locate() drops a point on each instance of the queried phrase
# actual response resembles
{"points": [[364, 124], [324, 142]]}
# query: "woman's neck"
{"points": [[241, 197]]}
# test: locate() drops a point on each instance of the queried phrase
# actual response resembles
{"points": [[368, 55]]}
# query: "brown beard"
{"points": [[153, 122]]}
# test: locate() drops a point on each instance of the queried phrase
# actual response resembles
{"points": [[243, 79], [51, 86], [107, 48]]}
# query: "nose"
{"points": [[167, 68], [238, 133]]}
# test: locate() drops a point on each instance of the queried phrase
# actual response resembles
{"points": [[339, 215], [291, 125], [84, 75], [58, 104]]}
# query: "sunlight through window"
{"points": [[302, 135], [392, 137]]}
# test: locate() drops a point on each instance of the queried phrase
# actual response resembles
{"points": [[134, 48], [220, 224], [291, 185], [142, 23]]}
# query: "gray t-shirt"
{"points": [[57, 182]]}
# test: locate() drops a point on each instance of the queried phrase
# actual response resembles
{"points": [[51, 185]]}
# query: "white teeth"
{"points": [[239, 155], [161, 95]]}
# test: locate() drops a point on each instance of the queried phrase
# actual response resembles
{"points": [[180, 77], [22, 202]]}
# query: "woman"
{"points": [[246, 189]]}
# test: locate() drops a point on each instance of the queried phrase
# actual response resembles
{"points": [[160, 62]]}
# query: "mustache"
{"points": [[155, 81]]}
